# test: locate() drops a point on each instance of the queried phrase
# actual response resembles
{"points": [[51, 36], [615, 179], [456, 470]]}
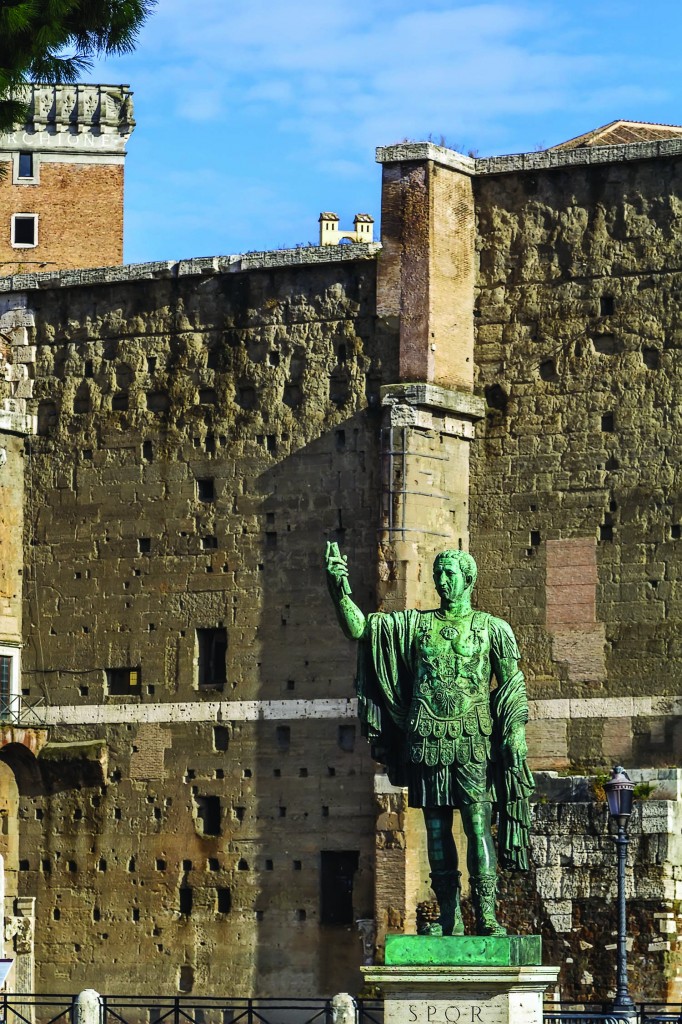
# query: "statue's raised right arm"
{"points": [[350, 617]]}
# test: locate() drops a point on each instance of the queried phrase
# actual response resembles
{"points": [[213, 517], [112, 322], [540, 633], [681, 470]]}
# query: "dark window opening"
{"points": [[676, 531], [25, 230], [606, 305], [208, 813], [207, 396], [25, 165], [221, 737], [534, 538], [186, 900], [223, 901], [209, 543], [337, 868], [5, 684], [144, 545], [283, 735], [124, 682], [346, 738], [119, 403], [206, 489], [651, 357], [212, 657], [608, 423]]}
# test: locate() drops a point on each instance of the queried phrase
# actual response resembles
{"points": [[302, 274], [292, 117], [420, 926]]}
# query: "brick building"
{"points": [[188, 804], [61, 189]]}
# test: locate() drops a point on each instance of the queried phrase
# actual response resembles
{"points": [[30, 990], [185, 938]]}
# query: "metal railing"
{"points": [[130, 1009], [16, 710], [645, 1013]]}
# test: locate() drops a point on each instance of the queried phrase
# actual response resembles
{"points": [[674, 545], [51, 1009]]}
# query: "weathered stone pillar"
{"points": [[425, 303]]}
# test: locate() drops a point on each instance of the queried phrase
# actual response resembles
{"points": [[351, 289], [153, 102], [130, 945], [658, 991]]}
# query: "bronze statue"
{"points": [[426, 705]]}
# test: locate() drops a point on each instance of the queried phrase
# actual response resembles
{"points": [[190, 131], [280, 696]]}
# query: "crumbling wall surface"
{"points": [[576, 511], [569, 894], [200, 437]]}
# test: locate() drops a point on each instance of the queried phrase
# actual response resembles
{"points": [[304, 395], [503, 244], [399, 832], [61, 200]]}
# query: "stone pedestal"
{"points": [[462, 980]]}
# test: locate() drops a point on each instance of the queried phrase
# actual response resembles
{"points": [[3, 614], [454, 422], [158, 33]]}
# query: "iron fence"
{"points": [[16, 710], [130, 1009]]}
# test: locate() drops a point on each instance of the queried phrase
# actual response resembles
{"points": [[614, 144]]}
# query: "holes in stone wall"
{"points": [[96, 914], [274, 359], [496, 398], [209, 543], [24, 865], [207, 396], [283, 737], [221, 738], [260, 915], [242, 865], [269, 865], [206, 489], [120, 402], [325, 811], [101, 864], [607, 345], [607, 305], [81, 400], [651, 357], [534, 538], [301, 915], [292, 395], [291, 684], [297, 865], [56, 914], [239, 813], [157, 401], [676, 531], [208, 814], [271, 539], [46, 867], [606, 530], [211, 657], [337, 868], [338, 389], [346, 738], [303, 773], [246, 396], [131, 865], [213, 864], [608, 423], [160, 864], [144, 545], [223, 901], [124, 376], [547, 370], [281, 811], [135, 914], [147, 451], [47, 416], [340, 436], [186, 978], [88, 370], [185, 900]]}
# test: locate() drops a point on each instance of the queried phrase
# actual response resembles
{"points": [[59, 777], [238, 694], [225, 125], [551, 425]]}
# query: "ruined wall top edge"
{"points": [[201, 266], [543, 160]]}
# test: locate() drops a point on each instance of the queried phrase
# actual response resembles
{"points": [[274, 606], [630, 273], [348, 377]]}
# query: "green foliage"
{"points": [[643, 790], [55, 41]]}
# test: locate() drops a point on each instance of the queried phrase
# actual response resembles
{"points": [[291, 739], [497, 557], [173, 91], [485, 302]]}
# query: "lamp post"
{"points": [[619, 793]]}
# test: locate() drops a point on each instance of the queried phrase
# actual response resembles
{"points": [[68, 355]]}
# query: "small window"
{"points": [[124, 682], [25, 165], [212, 657], [208, 813], [337, 868], [5, 685], [24, 229], [206, 489]]}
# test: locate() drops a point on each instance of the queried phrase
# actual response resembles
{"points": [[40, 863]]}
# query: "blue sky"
{"points": [[255, 115]]}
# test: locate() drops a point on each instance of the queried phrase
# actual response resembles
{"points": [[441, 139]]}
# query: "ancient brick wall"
{"points": [[575, 491], [201, 433]]}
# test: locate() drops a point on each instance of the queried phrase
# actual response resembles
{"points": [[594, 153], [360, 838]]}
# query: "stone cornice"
{"points": [[200, 267], [432, 396], [544, 160], [63, 118]]}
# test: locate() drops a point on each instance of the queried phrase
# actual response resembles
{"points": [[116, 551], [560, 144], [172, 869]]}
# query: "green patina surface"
{"points": [[464, 950]]}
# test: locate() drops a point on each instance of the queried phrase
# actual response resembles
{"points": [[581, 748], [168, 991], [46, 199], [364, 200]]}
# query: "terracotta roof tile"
{"points": [[618, 133]]}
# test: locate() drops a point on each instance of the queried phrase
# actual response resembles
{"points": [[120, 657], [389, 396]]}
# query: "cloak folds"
{"points": [[388, 657]]}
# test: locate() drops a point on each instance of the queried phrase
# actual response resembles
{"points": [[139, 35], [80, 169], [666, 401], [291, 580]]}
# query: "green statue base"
{"points": [[463, 950]]}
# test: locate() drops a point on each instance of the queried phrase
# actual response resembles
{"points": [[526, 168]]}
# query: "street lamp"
{"points": [[619, 793]]}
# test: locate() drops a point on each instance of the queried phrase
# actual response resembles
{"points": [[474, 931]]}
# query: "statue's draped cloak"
{"points": [[388, 657]]}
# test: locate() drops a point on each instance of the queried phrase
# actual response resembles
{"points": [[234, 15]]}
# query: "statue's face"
{"points": [[449, 580]]}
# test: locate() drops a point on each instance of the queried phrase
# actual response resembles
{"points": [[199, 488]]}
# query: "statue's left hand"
{"points": [[514, 748]]}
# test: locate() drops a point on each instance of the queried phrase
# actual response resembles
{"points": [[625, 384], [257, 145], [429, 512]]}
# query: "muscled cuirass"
{"points": [[449, 719]]}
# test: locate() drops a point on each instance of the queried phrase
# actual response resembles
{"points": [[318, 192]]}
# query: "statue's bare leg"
{"points": [[482, 864], [444, 867]]}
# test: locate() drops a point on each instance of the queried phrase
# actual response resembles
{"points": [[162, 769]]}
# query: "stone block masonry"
{"points": [[199, 437]]}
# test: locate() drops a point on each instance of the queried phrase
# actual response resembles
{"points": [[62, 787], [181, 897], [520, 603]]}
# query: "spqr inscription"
{"points": [[430, 1013]]}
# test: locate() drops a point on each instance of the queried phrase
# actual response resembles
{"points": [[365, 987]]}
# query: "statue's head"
{"points": [[458, 562]]}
